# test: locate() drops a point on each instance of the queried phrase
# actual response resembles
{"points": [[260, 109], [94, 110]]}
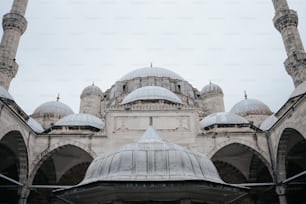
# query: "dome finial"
{"points": [[209, 82], [245, 95], [151, 65], [58, 97], [93, 83]]}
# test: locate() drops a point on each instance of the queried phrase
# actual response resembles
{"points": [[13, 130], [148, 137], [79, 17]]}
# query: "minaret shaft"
{"points": [[286, 22], [14, 24]]}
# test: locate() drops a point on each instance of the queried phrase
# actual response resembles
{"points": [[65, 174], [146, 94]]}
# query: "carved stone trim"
{"points": [[14, 21], [284, 19]]}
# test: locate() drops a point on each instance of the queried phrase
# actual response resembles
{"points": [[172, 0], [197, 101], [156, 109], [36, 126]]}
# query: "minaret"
{"points": [[14, 24], [286, 21]]}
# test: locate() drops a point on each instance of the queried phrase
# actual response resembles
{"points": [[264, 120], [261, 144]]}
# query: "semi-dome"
{"points": [[151, 93], [268, 122], [250, 107], [92, 90], [5, 94], [81, 119], [211, 88], [151, 72], [222, 118], [53, 107], [36, 126], [299, 90], [151, 159]]}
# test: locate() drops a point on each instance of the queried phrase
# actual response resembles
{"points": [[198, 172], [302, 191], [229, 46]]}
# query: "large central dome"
{"points": [[152, 159], [151, 72]]}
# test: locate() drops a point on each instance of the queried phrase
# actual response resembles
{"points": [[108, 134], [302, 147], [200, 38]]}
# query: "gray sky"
{"points": [[71, 43]]}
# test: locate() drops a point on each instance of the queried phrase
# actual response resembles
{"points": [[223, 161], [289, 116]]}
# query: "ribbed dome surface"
{"points": [[81, 119], [151, 159], [151, 93], [151, 71], [222, 118], [299, 90], [268, 122], [250, 107], [36, 126], [211, 89], [91, 90], [5, 94], [53, 107]]}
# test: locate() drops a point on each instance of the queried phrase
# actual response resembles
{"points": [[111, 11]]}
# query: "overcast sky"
{"points": [[71, 43]]}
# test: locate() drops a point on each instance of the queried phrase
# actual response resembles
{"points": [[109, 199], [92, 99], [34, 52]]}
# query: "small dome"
{"points": [[222, 118], [151, 71], [299, 90], [211, 89], [151, 159], [268, 122], [91, 90], [151, 93], [5, 94], [81, 119], [53, 107], [250, 107], [36, 126]]}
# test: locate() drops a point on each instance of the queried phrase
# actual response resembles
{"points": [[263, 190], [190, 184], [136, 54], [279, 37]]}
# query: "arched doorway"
{"points": [[13, 166], [291, 163], [240, 164], [64, 166]]}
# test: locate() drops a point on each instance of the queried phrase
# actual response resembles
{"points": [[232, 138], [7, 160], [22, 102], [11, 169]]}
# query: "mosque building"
{"points": [[153, 138]]}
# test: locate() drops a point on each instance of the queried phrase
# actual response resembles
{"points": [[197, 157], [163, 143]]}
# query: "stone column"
{"points": [[14, 25], [281, 192], [286, 22]]}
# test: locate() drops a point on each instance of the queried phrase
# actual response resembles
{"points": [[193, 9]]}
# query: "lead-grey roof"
{"points": [[222, 118], [250, 107], [151, 159], [268, 122], [151, 71], [91, 90], [5, 94], [299, 90], [36, 126], [53, 107], [211, 88], [81, 119], [151, 93]]}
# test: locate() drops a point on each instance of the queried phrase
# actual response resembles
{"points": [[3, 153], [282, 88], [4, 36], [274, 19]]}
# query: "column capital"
{"points": [[14, 21]]}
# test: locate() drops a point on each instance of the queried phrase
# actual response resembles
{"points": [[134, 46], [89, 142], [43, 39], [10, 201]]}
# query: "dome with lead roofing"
{"points": [[211, 88], [268, 122], [149, 93], [250, 107], [222, 118], [36, 126], [299, 90], [53, 107], [81, 119], [92, 90], [151, 159], [151, 72]]}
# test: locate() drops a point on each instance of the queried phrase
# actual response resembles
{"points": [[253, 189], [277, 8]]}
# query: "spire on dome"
{"points": [[58, 97], [245, 95]]}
